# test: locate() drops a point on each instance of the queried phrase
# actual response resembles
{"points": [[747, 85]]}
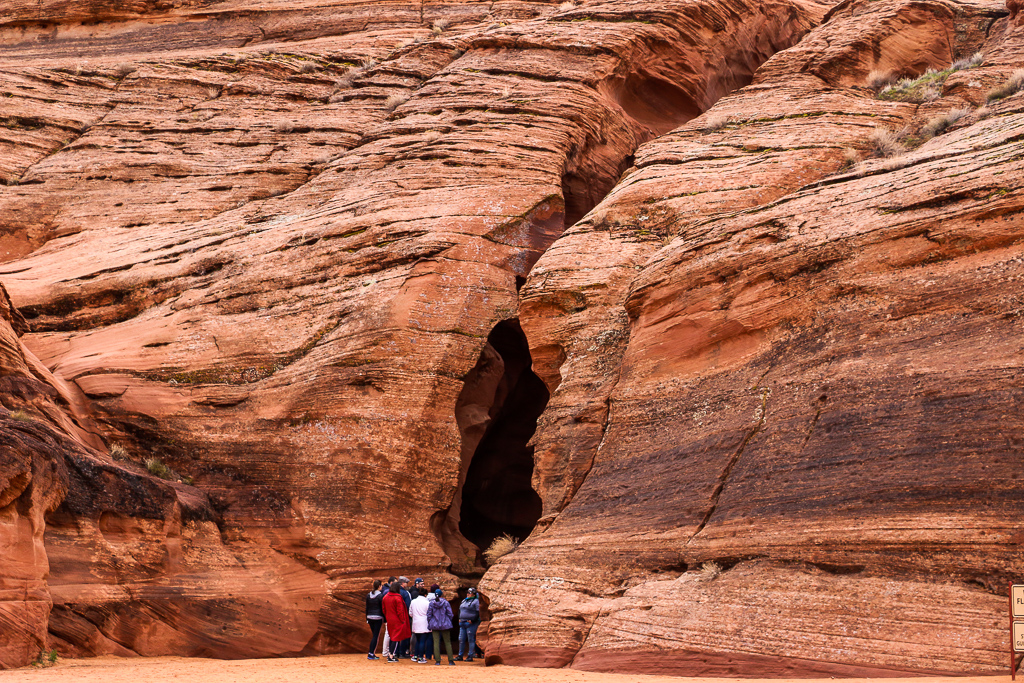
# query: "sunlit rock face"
{"points": [[303, 296]]}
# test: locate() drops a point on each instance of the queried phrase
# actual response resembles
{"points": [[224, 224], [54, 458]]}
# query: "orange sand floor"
{"points": [[357, 669]]}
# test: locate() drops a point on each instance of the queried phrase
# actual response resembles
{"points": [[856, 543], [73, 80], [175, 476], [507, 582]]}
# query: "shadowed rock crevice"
{"points": [[497, 415]]}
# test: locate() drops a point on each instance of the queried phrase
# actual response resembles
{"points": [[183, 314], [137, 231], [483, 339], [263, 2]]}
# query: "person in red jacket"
{"points": [[396, 613]]}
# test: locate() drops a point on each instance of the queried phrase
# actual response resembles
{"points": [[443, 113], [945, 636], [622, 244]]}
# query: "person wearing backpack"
{"points": [[439, 619], [469, 622], [374, 616]]}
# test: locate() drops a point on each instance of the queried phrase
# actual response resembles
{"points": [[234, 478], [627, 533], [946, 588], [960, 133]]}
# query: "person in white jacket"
{"points": [[420, 629]]}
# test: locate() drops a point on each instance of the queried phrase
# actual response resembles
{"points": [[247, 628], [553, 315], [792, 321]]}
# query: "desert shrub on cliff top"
{"points": [[500, 547]]}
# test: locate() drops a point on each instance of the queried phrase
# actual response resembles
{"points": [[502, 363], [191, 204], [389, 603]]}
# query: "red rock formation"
{"points": [[274, 250], [771, 369]]}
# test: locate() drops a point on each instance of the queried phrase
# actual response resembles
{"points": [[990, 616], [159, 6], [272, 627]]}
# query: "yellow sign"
{"points": [[1018, 636], [1017, 601]]}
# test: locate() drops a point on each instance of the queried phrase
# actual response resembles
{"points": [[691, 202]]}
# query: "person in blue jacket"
{"points": [[469, 622], [439, 619]]}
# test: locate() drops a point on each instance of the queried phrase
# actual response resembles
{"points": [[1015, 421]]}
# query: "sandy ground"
{"points": [[357, 669]]}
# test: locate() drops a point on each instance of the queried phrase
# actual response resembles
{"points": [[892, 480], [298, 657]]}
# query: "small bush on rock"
{"points": [[709, 571], [1013, 85], [878, 80], [500, 547], [394, 101], [158, 469], [885, 142], [968, 62], [20, 416], [941, 123], [715, 122], [119, 452]]}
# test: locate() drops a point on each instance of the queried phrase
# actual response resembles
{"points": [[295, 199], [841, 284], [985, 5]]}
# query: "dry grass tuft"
{"points": [[119, 452], [1014, 84], [501, 546], [439, 26], [885, 142], [368, 63], [941, 123], [879, 80], [336, 97], [709, 571], [124, 68], [566, 6], [284, 127], [394, 101], [714, 122], [969, 62], [851, 158], [432, 136], [308, 68], [346, 81], [21, 416]]}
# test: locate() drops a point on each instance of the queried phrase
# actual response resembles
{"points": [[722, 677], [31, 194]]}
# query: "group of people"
{"points": [[415, 621]]}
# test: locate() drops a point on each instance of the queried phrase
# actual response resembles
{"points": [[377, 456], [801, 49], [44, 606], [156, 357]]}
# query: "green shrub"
{"points": [[158, 469]]}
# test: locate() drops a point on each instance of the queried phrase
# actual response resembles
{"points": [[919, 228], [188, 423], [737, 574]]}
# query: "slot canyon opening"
{"points": [[497, 414]]}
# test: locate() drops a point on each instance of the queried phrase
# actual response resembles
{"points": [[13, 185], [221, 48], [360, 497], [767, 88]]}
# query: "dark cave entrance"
{"points": [[498, 496], [497, 413]]}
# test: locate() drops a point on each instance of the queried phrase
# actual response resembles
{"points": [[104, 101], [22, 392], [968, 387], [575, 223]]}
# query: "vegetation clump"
{"points": [[20, 416], [940, 124], [925, 88], [394, 101], [46, 658], [885, 143], [501, 546], [709, 571], [1013, 85]]}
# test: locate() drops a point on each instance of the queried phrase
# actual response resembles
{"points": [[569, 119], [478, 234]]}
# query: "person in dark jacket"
{"points": [[374, 616], [397, 615], [469, 622], [386, 647], [439, 619], [403, 588]]}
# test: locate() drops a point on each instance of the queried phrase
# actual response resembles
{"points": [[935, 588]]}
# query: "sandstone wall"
{"points": [[268, 247]]}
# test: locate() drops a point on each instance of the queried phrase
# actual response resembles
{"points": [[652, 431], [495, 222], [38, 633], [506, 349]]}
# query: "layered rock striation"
{"points": [[300, 282]]}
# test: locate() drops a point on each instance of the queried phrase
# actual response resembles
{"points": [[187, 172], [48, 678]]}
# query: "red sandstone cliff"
{"points": [[274, 249]]}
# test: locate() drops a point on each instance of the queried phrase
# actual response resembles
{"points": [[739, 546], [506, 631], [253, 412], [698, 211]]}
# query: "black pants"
{"points": [[375, 625]]}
